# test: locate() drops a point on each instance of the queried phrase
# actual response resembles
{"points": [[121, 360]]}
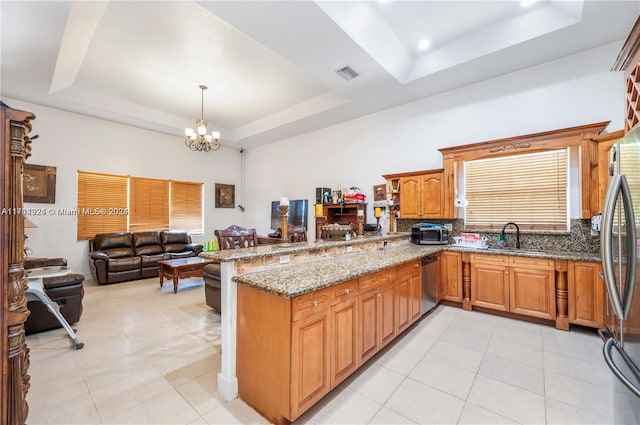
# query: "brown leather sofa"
{"points": [[119, 257], [67, 291]]}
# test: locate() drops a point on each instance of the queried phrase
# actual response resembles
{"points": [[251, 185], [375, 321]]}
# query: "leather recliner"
{"points": [[67, 291], [178, 244], [113, 258], [148, 245]]}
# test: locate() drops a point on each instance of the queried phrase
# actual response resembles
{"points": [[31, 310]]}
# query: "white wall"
{"points": [[73, 142], [573, 91], [569, 92]]}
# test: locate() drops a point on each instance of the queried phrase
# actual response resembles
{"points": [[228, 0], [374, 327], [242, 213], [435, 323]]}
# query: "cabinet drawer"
{"points": [[308, 304], [344, 291], [371, 280], [387, 275], [490, 259], [538, 263], [410, 268]]}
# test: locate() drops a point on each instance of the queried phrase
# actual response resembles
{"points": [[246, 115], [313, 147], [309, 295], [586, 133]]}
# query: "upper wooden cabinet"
{"points": [[601, 179], [418, 194], [628, 60]]}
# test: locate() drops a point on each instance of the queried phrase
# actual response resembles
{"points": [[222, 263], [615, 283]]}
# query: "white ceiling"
{"points": [[270, 65]]}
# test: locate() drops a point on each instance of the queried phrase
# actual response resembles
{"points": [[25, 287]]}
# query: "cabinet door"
{"points": [[309, 361], [387, 319], [344, 343], [368, 323], [490, 286], [410, 195], [415, 292], [431, 195], [586, 294], [450, 277], [404, 304], [532, 292]]}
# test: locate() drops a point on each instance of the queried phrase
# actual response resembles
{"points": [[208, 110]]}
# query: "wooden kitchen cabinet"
{"points": [[377, 311], [421, 195], [409, 294], [586, 294], [449, 277], [293, 351], [345, 355], [514, 284], [310, 356], [532, 287], [490, 282]]}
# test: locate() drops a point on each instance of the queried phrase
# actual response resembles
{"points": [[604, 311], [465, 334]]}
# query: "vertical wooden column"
{"points": [[466, 281], [16, 147], [562, 295]]}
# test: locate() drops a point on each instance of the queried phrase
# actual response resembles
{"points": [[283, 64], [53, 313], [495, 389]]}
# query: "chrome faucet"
{"points": [[502, 237]]}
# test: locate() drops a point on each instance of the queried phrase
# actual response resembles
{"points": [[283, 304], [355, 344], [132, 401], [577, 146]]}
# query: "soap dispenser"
{"points": [[501, 241]]}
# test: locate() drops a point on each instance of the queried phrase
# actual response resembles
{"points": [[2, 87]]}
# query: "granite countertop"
{"points": [[268, 250], [555, 255], [299, 279], [294, 280]]}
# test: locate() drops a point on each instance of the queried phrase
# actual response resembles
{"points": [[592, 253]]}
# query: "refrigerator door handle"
{"points": [[606, 351], [621, 305]]}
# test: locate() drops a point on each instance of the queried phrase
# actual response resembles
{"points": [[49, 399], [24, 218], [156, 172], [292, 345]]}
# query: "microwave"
{"points": [[429, 234]]}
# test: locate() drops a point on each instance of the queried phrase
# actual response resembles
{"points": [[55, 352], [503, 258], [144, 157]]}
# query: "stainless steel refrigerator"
{"points": [[620, 250]]}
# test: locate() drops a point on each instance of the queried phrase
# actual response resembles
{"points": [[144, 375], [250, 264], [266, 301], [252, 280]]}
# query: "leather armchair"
{"points": [[148, 245], [67, 291], [113, 258], [178, 244]]}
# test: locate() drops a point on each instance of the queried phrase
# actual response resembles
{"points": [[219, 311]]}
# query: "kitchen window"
{"points": [[530, 189]]}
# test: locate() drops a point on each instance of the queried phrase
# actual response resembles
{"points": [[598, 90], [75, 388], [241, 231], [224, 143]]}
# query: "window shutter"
{"points": [[149, 204], [98, 195], [186, 207], [528, 189]]}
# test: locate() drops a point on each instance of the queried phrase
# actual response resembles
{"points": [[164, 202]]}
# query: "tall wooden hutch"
{"points": [[15, 147]]}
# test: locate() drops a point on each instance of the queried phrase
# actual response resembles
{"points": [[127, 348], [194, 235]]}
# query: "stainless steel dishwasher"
{"points": [[429, 279]]}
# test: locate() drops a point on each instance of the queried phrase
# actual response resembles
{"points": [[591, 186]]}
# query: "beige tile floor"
{"points": [[151, 357]]}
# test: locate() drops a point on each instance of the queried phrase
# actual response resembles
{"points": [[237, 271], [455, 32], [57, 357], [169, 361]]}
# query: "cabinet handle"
{"points": [[390, 275], [346, 291], [315, 302], [507, 273], [379, 294]]}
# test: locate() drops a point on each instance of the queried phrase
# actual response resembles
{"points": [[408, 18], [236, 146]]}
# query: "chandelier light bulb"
{"points": [[198, 139]]}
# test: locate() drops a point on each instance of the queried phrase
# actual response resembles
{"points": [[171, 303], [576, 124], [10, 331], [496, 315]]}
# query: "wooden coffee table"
{"points": [[182, 268]]}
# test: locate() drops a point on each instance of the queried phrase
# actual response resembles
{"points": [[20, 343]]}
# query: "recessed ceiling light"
{"points": [[526, 3], [424, 44]]}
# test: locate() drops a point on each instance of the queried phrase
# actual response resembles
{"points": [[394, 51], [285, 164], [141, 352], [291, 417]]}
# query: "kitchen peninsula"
{"points": [[294, 269], [304, 316]]}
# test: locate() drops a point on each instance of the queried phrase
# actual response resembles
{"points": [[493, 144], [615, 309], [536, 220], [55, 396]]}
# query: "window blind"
{"points": [[528, 189], [102, 204], [148, 204], [186, 207]]}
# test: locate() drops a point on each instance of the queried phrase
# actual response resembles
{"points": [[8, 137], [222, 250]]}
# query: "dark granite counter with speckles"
{"points": [[556, 255], [270, 250], [294, 280], [297, 279]]}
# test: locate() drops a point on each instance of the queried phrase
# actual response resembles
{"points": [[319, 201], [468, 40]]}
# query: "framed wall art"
{"points": [[39, 184], [380, 192], [225, 195]]}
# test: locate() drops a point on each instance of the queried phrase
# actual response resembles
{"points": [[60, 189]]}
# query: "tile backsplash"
{"points": [[579, 239]]}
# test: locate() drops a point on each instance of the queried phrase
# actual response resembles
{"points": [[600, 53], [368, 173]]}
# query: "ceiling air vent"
{"points": [[347, 73]]}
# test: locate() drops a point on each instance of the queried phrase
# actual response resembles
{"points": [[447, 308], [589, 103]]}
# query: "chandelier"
{"points": [[199, 140]]}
